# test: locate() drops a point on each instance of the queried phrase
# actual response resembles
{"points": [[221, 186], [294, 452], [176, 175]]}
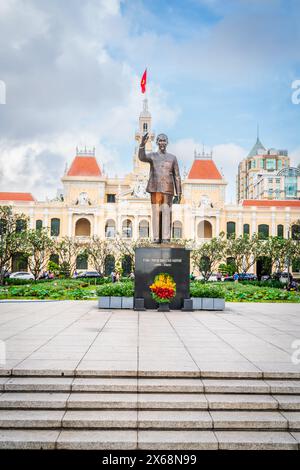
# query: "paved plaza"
{"points": [[75, 337]]}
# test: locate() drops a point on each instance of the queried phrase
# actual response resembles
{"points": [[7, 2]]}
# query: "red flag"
{"points": [[144, 81]]}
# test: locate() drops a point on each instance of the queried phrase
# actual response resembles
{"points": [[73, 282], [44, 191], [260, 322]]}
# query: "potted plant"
{"points": [[207, 297], [163, 290], [116, 295]]}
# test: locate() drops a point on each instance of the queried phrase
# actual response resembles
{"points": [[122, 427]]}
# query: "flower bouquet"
{"points": [[163, 290]]}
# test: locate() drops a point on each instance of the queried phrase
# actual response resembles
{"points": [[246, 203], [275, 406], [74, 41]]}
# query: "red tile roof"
{"points": [[204, 169], [274, 203], [84, 166], [8, 196]]}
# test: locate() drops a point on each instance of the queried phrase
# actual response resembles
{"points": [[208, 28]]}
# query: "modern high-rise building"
{"points": [[266, 174]]}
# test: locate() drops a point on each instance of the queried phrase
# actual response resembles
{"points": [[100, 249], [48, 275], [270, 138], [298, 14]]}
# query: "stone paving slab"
{"points": [[249, 419], [42, 384], [247, 340], [100, 419], [189, 385], [33, 400], [97, 440], [288, 402], [171, 400], [31, 418], [183, 419], [102, 400], [235, 386], [105, 384], [179, 440], [251, 440], [28, 439], [241, 402], [293, 418]]}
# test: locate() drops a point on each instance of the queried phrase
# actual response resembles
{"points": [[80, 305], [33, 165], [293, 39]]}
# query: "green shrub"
{"points": [[206, 290], [116, 289]]}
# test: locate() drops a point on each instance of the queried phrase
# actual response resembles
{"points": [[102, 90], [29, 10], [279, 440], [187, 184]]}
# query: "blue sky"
{"points": [[216, 69]]}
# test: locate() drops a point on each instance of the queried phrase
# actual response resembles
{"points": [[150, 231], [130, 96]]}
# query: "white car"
{"points": [[22, 275]]}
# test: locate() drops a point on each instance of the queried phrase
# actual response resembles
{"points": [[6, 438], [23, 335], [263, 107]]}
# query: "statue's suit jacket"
{"points": [[164, 172]]}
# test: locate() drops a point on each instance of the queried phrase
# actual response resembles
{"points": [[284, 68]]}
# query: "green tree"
{"points": [[37, 247], [98, 249], [245, 250], [12, 239], [68, 249], [207, 256]]}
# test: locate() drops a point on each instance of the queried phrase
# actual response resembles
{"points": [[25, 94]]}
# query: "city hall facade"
{"points": [[268, 198]]}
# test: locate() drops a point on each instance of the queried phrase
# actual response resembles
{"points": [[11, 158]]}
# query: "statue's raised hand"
{"points": [[144, 139]]}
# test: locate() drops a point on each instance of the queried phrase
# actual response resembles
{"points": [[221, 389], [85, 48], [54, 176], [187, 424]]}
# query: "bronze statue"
{"points": [[164, 182]]}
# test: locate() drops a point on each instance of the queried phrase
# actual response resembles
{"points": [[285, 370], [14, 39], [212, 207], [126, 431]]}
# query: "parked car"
{"points": [[247, 277], [89, 274], [265, 277], [22, 275], [282, 276]]}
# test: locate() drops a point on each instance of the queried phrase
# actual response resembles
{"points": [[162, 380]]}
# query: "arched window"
{"points": [[296, 265], [109, 264], [127, 228], [82, 261], [246, 229], [21, 225], [55, 227], [83, 228], [296, 232], [263, 231], [145, 127], [110, 229], [126, 265], [204, 229], [280, 231], [54, 258], [230, 229], [38, 224], [144, 229], [19, 262], [177, 229]]}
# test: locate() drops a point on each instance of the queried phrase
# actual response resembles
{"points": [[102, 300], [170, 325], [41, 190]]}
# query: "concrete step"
{"points": [[214, 373], [147, 385], [148, 439], [155, 401], [149, 419]]}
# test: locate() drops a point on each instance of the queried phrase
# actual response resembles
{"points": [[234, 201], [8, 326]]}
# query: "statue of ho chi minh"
{"points": [[164, 182]]}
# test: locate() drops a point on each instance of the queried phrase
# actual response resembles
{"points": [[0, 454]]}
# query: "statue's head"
{"points": [[162, 142]]}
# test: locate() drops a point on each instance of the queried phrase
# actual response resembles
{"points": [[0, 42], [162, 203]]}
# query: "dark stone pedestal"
{"points": [[150, 261]]}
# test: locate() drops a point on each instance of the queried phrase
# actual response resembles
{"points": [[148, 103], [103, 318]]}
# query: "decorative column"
{"points": [[46, 218], [217, 223], [240, 224], [31, 218], [273, 222], [70, 215], [135, 226], [253, 218], [287, 222]]}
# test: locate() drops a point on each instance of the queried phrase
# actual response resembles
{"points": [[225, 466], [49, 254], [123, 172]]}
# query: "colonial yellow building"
{"points": [[93, 204]]}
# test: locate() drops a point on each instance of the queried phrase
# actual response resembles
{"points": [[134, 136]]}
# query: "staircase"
{"points": [[182, 413]]}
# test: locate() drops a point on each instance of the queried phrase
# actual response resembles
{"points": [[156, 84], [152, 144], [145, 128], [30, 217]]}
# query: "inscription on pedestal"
{"points": [[150, 261]]}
